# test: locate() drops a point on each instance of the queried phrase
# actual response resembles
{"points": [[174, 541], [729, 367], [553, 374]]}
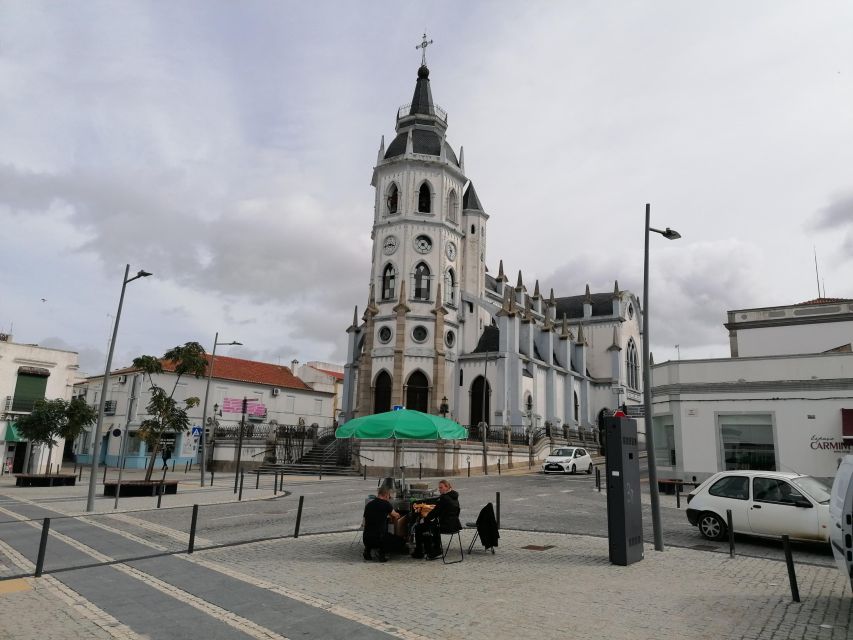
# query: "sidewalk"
{"points": [[563, 587]]}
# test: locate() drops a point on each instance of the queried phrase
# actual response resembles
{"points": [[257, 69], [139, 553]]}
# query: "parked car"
{"points": [[568, 460], [841, 518], [763, 503]]}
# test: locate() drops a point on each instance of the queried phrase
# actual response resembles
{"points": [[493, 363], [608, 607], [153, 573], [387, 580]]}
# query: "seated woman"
{"points": [[444, 518]]}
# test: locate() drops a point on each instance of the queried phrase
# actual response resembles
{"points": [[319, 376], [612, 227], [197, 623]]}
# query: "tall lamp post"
{"points": [[669, 234], [96, 445], [216, 343]]}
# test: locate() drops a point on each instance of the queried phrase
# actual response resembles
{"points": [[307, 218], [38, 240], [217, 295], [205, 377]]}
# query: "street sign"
{"points": [[397, 407], [636, 410], [196, 431]]}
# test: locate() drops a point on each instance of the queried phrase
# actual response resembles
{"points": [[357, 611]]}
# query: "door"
{"points": [[417, 392], [731, 492], [777, 509]]}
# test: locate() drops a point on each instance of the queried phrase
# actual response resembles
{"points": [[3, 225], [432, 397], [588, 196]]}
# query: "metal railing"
{"points": [[406, 110]]}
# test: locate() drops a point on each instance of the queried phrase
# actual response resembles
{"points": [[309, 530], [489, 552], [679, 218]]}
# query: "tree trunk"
{"points": [[153, 460], [49, 455]]}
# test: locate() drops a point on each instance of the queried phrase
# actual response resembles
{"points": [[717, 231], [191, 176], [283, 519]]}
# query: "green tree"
{"points": [[53, 419], [167, 415]]}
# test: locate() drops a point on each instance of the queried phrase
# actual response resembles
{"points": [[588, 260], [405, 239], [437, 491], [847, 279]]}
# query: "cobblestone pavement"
{"points": [[317, 586]]}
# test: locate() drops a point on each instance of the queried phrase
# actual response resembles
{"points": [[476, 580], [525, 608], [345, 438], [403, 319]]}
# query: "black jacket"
{"points": [[447, 512]]}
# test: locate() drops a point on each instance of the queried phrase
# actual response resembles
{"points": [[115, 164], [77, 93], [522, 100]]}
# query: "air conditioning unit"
{"points": [[276, 391], [122, 379]]}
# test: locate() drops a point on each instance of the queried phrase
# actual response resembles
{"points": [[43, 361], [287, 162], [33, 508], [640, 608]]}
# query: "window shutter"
{"points": [[847, 423]]}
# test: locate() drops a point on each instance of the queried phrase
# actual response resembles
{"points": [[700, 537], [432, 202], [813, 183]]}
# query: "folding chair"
{"points": [[455, 534], [486, 529]]}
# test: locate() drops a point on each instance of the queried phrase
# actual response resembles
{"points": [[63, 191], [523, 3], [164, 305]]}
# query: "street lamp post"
{"points": [[96, 445], [669, 234], [204, 409]]}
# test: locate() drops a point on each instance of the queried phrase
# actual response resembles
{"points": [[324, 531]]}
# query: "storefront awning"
{"points": [[12, 434], [847, 424]]}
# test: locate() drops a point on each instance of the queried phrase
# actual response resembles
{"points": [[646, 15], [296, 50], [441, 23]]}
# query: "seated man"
{"points": [[377, 512], [443, 519]]}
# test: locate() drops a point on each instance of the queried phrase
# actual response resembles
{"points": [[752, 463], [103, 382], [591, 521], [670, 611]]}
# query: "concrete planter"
{"points": [[37, 480], [138, 488]]}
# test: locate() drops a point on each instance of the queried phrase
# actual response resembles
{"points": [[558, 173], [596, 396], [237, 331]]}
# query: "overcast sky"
{"points": [[227, 147]]}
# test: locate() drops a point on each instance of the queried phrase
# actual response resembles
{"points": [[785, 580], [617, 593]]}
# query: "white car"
{"points": [[568, 460], [841, 518], [763, 503]]}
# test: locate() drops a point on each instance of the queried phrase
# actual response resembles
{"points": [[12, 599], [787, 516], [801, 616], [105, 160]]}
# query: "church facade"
{"points": [[442, 335]]}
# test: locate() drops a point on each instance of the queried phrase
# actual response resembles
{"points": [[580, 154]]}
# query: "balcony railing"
{"points": [[406, 110], [18, 405]]}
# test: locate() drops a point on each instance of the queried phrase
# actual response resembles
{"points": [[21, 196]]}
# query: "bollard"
{"points": [[160, 494], [499, 466], [321, 469], [257, 480], [191, 545], [105, 473], [45, 529], [75, 469], [792, 574], [598, 479], [240, 496], [469, 468], [173, 465], [81, 473], [365, 472], [191, 465], [678, 495], [275, 484], [731, 533], [298, 517], [211, 477], [281, 483], [420, 471], [498, 509]]}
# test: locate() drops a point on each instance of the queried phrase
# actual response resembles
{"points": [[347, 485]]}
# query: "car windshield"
{"points": [[563, 452], [815, 488]]}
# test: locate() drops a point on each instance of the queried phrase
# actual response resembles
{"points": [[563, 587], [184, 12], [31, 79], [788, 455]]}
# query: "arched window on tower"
{"points": [[424, 198], [450, 288], [392, 199], [632, 366], [422, 281], [389, 280], [452, 205]]}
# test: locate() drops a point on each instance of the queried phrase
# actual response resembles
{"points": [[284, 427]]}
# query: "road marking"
{"points": [[180, 536], [217, 613], [518, 499], [242, 515], [542, 495], [567, 491]]}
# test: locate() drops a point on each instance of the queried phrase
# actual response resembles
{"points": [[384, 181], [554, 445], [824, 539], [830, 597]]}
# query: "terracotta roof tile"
{"points": [[335, 374], [826, 300], [225, 368]]}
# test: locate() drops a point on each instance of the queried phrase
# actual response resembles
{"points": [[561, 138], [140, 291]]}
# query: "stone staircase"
{"points": [[325, 458]]}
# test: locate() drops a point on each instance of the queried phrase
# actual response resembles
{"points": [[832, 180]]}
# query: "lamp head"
{"points": [[142, 274], [671, 234]]}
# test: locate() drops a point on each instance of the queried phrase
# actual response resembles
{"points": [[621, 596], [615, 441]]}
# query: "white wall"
{"points": [[791, 339]]}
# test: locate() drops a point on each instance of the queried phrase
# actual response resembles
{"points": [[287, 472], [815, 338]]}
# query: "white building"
{"points": [[28, 373], [276, 397], [441, 334], [322, 376], [777, 404]]}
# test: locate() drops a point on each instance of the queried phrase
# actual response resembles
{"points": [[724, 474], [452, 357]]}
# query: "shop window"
{"points": [[664, 432], [747, 442]]}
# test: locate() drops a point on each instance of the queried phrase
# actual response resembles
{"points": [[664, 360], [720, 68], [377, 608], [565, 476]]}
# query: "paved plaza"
{"points": [[538, 584]]}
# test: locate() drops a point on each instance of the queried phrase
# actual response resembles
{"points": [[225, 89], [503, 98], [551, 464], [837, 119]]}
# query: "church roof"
{"points": [[489, 340], [424, 141], [470, 199], [572, 306], [422, 98]]}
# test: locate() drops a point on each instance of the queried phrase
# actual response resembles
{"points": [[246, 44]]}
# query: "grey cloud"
{"points": [[837, 214]]}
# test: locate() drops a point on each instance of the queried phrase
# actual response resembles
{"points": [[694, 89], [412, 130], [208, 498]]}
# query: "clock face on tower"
{"points": [[450, 250], [423, 244], [390, 245]]}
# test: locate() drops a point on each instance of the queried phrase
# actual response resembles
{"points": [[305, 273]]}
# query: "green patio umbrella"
{"points": [[404, 424]]}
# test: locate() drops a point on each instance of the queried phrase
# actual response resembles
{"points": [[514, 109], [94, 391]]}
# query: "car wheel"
{"points": [[589, 469], [573, 469], [711, 526]]}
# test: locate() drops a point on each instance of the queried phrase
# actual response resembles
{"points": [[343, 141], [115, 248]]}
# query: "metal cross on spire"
{"points": [[422, 46]]}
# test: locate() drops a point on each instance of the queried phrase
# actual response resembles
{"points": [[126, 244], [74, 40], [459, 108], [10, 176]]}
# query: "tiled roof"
{"points": [[337, 375], [225, 368], [826, 300]]}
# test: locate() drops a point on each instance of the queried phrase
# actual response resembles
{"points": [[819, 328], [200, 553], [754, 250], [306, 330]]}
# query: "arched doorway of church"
{"points": [[481, 394], [382, 393], [417, 392]]}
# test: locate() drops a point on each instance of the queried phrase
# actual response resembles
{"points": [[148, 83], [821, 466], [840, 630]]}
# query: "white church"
{"points": [[440, 334]]}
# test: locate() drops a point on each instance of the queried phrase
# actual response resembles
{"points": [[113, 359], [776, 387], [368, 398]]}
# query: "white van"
{"points": [[841, 518]]}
